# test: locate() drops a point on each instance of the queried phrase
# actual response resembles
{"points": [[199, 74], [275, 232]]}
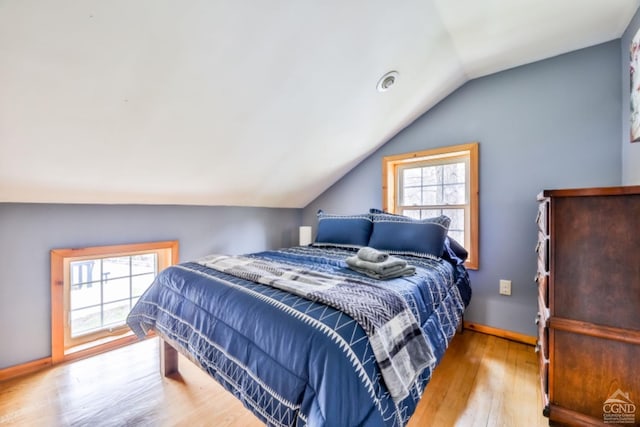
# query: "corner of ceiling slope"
{"points": [[495, 35]]}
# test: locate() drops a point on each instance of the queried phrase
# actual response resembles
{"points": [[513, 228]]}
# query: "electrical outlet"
{"points": [[505, 287]]}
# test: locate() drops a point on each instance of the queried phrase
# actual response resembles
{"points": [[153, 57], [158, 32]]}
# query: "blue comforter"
{"points": [[290, 360]]}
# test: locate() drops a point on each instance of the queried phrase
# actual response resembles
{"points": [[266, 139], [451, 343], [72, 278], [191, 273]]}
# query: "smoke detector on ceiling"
{"points": [[387, 81]]}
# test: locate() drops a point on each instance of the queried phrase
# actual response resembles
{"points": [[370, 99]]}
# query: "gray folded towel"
{"points": [[408, 270], [371, 254], [376, 267]]}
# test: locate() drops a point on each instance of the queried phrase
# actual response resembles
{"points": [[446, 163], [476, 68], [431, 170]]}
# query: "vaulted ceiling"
{"points": [[248, 103]]}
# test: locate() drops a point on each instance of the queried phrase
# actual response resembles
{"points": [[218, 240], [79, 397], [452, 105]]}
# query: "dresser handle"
{"points": [[537, 321]]}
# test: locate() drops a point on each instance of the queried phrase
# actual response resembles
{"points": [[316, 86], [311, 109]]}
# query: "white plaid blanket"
{"points": [[398, 343]]}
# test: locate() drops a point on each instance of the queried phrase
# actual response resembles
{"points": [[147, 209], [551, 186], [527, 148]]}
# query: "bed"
{"points": [[295, 359]]}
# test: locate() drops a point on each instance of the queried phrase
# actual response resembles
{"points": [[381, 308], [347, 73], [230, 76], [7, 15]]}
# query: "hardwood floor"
{"points": [[481, 381]]}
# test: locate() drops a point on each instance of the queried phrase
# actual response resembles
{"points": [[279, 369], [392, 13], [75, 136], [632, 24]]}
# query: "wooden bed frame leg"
{"points": [[460, 327], [168, 359]]}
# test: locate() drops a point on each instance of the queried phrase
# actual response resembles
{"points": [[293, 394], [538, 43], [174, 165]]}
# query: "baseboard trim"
{"points": [[502, 333], [25, 368]]}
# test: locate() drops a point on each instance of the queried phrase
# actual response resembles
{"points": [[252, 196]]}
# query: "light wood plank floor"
{"points": [[481, 381]]}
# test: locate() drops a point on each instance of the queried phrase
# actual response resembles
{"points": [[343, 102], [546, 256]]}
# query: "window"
{"points": [[93, 290], [442, 181]]}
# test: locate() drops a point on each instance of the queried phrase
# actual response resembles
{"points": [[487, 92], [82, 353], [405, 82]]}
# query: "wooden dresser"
{"points": [[589, 305]]}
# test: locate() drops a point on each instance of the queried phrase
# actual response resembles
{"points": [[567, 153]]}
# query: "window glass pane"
{"points": [[454, 173], [411, 213], [113, 268], [412, 177], [411, 196], [108, 282], [432, 195], [141, 264], [432, 175], [141, 283], [116, 289], [85, 320], [115, 313], [85, 295], [457, 220], [454, 194], [84, 271], [430, 213]]}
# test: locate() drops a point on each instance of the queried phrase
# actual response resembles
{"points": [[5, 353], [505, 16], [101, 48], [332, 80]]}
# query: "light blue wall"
{"points": [[550, 124], [630, 152], [29, 231]]}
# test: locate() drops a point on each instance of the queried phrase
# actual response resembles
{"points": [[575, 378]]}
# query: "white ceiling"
{"points": [[248, 103]]}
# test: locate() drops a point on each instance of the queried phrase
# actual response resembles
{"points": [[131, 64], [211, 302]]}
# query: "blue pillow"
{"points": [[451, 247], [454, 251], [457, 249], [401, 234], [343, 230]]}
